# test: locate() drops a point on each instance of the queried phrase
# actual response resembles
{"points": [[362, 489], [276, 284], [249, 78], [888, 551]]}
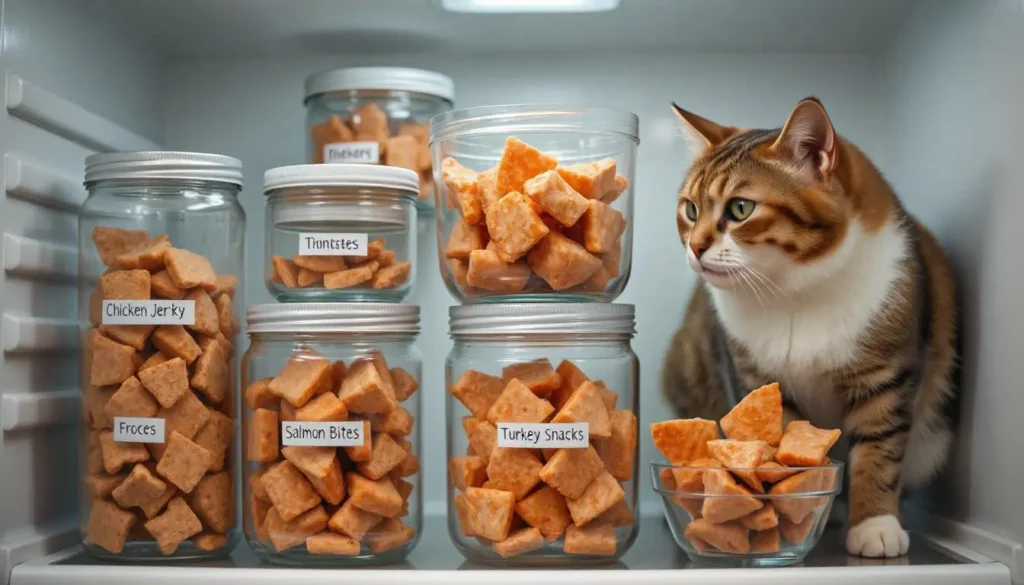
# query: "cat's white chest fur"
{"points": [[800, 340]]}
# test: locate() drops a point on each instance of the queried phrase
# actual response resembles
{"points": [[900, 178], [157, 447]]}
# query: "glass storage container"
{"points": [[160, 248], [534, 202], [340, 232], [376, 115], [329, 426], [542, 433]]}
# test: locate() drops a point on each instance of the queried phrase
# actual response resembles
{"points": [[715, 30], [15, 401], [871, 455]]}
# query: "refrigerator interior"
{"points": [[924, 87]]}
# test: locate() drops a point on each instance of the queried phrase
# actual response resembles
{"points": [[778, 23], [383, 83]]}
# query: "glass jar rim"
{"points": [[342, 175], [542, 319], [521, 118], [381, 78], [161, 166], [366, 318]]}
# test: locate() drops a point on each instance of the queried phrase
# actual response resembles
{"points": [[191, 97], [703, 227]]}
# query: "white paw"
{"points": [[879, 536]]}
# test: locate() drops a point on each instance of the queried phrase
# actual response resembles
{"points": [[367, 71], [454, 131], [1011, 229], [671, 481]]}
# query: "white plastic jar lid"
{"points": [[341, 175], [158, 165], [382, 78], [333, 318], [542, 318], [342, 210]]}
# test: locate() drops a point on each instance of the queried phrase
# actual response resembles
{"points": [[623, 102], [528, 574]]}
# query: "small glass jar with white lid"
{"points": [[340, 232], [376, 115]]}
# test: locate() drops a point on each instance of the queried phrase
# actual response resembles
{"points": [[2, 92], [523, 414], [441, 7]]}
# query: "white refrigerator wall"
{"points": [[253, 110], [75, 84]]}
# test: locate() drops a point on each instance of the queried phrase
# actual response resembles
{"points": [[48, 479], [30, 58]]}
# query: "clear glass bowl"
{"points": [[584, 265], [800, 514]]}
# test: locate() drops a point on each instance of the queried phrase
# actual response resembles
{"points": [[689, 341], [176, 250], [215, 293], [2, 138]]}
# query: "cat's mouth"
{"points": [[716, 276]]}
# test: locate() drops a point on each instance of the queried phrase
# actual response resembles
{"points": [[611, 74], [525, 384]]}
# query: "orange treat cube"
{"points": [[325, 407], [545, 509], [570, 377], [519, 163], [796, 532], [762, 519], [463, 189], [514, 226], [719, 510], [772, 472], [556, 197], [758, 417], [176, 525], [370, 123], [111, 242], [149, 255], [609, 398], [612, 260], [285, 271], [592, 180], [210, 542], [519, 542], [402, 151], [95, 401], [328, 543], [518, 404], [378, 497], [477, 392], [537, 375], [116, 455], [307, 278], [288, 490], [585, 405], [108, 525], [684, 440], [797, 509], [321, 263], [619, 450], [464, 239], [264, 436], [168, 381], [364, 451], [385, 455], [468, 471], [570, 471], [111, 362], [189, 270], [561, 262], [352, 521], [391, 276], [364, 390], [398, 423], [405, 384], [125, 285], [741, 457], [765, 541], [351, 277], [487, 271], [728, 538], [215, 436], [139, 487], [389, 534], [489, 512], [373, 250], [226, 285], [618, 515], [488, 181], [620, 186], [482, 435], [207, 320], [805, 445], [602, 227], [596, 538], [186, 417], [183, 462], [284, 534], [514, 470], [101, 485], [131, 399], [212, 374], [321, 468], [602, 493], [134, 335], [213, 500], [173, 341], [301, 378]]}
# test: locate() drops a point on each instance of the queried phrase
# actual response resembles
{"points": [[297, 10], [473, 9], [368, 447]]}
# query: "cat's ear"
{"points": [[808, 139], [703, 133]]}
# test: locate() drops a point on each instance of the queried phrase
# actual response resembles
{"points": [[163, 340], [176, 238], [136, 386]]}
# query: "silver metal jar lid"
{"points": [[156, 165], [333, 318], [342, 175], [548, 318], [381, 78]]}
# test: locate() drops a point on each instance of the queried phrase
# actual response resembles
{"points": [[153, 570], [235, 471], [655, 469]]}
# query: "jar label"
{"points": [[131, 429], [367, 153], [123, 312], [321, 244], [544, 435], [322, 434]]}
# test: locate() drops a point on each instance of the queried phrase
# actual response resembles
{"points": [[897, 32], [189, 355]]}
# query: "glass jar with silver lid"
{"points": [[340, 232], [160, 249], [542, 433], [331, 402], [376, 115]]}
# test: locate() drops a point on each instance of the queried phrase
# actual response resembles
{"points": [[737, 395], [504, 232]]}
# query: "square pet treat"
{"points": [[517, 403], [351, 277], [741, 457], [352, 521], [289, 490], [213, 500], [215, 437], [514, 226], [561, 262], [585, 405], [207, 322], [596, 538], [328, 543], [464, 239], [618, 515], [125, 285], [489, 512], [519, 163], [108, 526], [803, 444], [467, 471], [797, 509], [545, 510], [391, 276], [758, 417], [111, 242], [321, 263], [285, 271], [174, 341], [301, 378], [488, 271], [138, 488], [463, 189], [389, 534], [684, 440], [176, 525], [570, 471], [131, 400], [111, 362], [258, 395], [183, 462], [212, 373], [537, 375], [602, 227], [514, 470], [772, 472], [765, 541], [116, 455], [189, 270], [728, 538], [187, 416], [149, 255], [152, 508], [365, 391], [477, 392], [378, 497], [398, 423], [762, 519], [556, 197], [95, 402], [482, 435], [162, 286], [723, 509], [570, 378], [167, 382], [405, 384], [619, 450], [324, 408], [284, 534], [592, 180], [321, 467], [364, 451], [602, 493], [101, 485], [520, 542], [385, 456]]}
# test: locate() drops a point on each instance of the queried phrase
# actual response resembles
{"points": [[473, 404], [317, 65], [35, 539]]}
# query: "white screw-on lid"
{"points": [[386, 78], [156, 165], [546, 318], [341, 175], [333, 318]]}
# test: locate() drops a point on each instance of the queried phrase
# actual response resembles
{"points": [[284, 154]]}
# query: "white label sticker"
{"points": [[367, 153], [149, 312], [322, 434], [321, 244], [130, 429], [544, 435]]}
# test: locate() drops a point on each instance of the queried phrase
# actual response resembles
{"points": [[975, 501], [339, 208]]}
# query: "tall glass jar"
{"points": [[376, 115], [329, 423], [160, 253], [542, 433], [340, 232]]}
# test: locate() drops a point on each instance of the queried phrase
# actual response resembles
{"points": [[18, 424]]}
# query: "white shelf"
{"points": [[654, 558]]}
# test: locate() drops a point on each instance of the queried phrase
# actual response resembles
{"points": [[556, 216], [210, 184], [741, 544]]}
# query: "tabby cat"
{"points": [[815, 276]]}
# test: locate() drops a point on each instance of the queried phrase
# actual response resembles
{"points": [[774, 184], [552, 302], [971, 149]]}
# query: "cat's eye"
{"points": [[740, 209], [690, 209]]}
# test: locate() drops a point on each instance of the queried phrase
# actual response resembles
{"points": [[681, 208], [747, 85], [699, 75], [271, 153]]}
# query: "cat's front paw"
{"points": [[879, 536]]}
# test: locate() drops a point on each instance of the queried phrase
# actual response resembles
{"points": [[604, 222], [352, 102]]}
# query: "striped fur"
{"points": [[829, 287]]}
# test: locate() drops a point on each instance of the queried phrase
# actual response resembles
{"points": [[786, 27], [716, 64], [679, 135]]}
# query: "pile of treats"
{"points": [[377, 270], [409, 148], [181, 488], [753, 460], [516, 500], [529, 215], [331, 499]]}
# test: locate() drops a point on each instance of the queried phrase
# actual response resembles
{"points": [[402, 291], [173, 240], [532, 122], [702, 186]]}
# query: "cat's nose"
{"points": [[699, 248]]}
